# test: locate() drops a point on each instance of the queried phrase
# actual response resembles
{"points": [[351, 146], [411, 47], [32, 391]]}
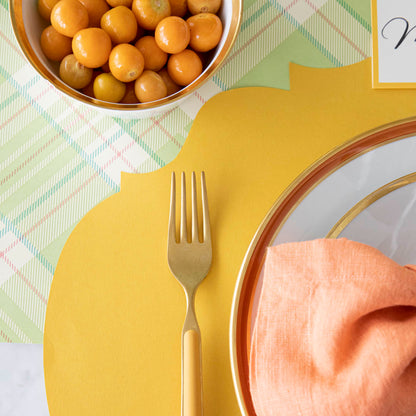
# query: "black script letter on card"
{"points": [[402, 26]]}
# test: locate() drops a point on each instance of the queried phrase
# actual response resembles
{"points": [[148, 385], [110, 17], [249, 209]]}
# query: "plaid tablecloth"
{"points": [[58, 160]]}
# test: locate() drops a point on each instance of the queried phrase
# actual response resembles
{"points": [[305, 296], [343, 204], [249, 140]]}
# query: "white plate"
{"points": [[310, 208], [385, 219], [317, 213]]}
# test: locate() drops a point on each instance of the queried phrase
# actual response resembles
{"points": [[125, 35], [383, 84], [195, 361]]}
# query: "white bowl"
{"points": [[28, 26]]}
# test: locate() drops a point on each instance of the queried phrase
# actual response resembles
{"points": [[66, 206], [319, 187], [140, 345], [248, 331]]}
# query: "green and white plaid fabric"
{"points": [[58, 160]]}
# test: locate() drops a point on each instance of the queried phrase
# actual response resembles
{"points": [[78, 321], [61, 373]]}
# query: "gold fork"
{"points": [[190, 262]]}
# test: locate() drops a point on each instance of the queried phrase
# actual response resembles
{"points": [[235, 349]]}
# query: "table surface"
{"points": [[59, 160]]}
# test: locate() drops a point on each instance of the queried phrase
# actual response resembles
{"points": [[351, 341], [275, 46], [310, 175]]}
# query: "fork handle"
{"points": [[192, 374]]}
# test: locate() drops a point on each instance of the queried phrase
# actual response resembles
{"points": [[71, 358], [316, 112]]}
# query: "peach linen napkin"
{"points": [[335, 333]]}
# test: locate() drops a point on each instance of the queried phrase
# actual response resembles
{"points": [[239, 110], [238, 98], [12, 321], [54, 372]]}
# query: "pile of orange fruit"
{"points": [[130, 51]]}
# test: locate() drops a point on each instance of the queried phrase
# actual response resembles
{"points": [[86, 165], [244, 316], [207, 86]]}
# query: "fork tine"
{"points": [[184, 234], [195, 234], [205, 211], [172, 212]]}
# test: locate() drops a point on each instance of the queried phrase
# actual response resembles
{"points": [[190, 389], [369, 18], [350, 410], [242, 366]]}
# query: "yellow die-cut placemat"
{"points": [[115, 313]]}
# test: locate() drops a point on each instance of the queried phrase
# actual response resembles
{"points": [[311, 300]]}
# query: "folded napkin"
{"points": [[335, 333]]}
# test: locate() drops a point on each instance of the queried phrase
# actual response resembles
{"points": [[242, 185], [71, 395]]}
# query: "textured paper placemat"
{"points": [[114, 318]]}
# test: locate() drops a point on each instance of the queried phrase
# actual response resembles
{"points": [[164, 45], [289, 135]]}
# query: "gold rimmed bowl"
{"points": [[28, 26]]}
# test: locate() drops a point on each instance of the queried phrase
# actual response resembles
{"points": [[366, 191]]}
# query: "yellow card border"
{"points": [[376, 72]]}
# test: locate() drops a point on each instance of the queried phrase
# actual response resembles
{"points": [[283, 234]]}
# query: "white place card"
{"points": [[394, 43]]}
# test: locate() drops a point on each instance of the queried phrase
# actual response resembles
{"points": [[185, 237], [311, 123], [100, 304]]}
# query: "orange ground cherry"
{"points": [[178, 7], [45, 7], [108, 88], [184, 67], [68, 17], [73, 73], [130, 95], [172, 34], [95, 9], [206, 31], [105, 67], [150, 12], [115, 3], [89, 89], [171, 86], [120, 23], [204, 6], [92, 47], [140, 32], [149, 87], [54, 45], [154, 58], [126, 62]]}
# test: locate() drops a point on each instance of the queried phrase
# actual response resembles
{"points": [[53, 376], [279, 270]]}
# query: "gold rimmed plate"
{"points": [[308, 209]]}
